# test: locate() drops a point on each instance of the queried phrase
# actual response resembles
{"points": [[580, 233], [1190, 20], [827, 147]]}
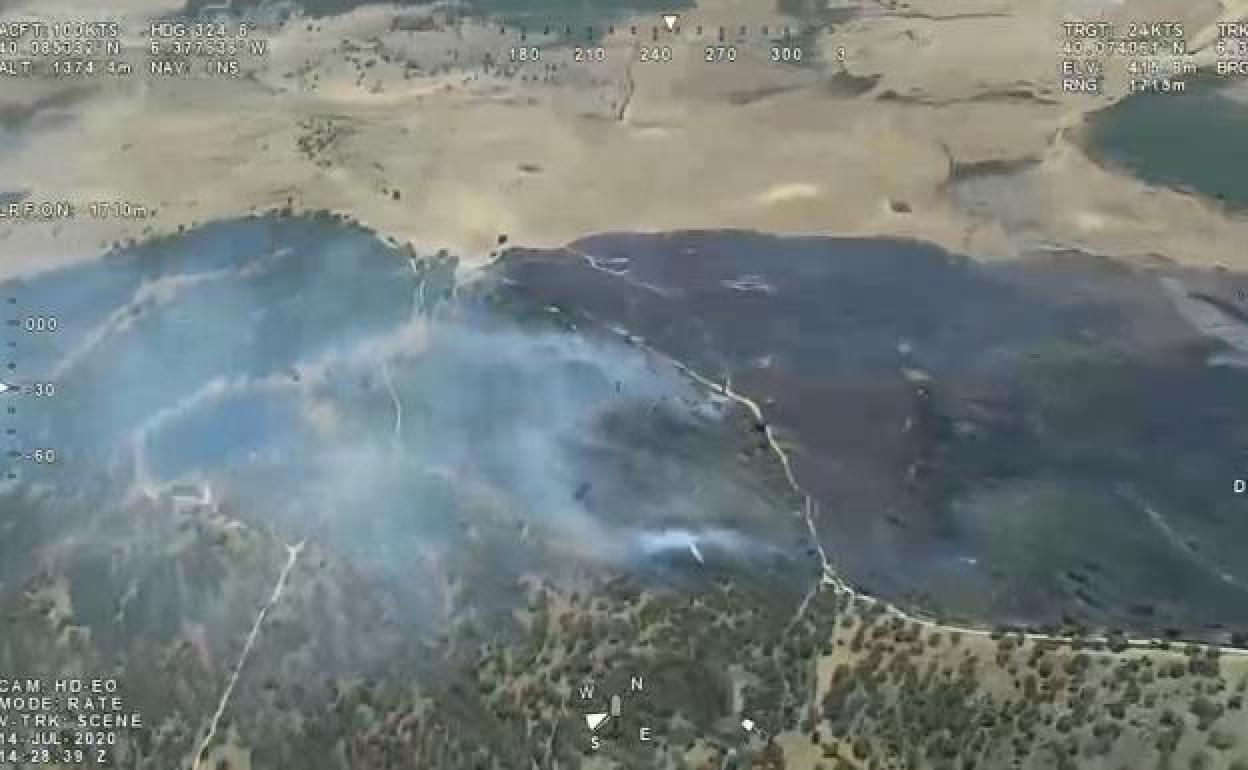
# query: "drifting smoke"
{"points": [[531, 452], [305, 390], [700, 544]]}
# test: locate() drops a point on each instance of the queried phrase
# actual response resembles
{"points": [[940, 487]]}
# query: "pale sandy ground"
{"points": [[797, 157]]}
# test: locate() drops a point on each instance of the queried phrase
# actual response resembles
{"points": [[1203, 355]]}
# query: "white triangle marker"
{"points": [[669, 21], [595, 720]]}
